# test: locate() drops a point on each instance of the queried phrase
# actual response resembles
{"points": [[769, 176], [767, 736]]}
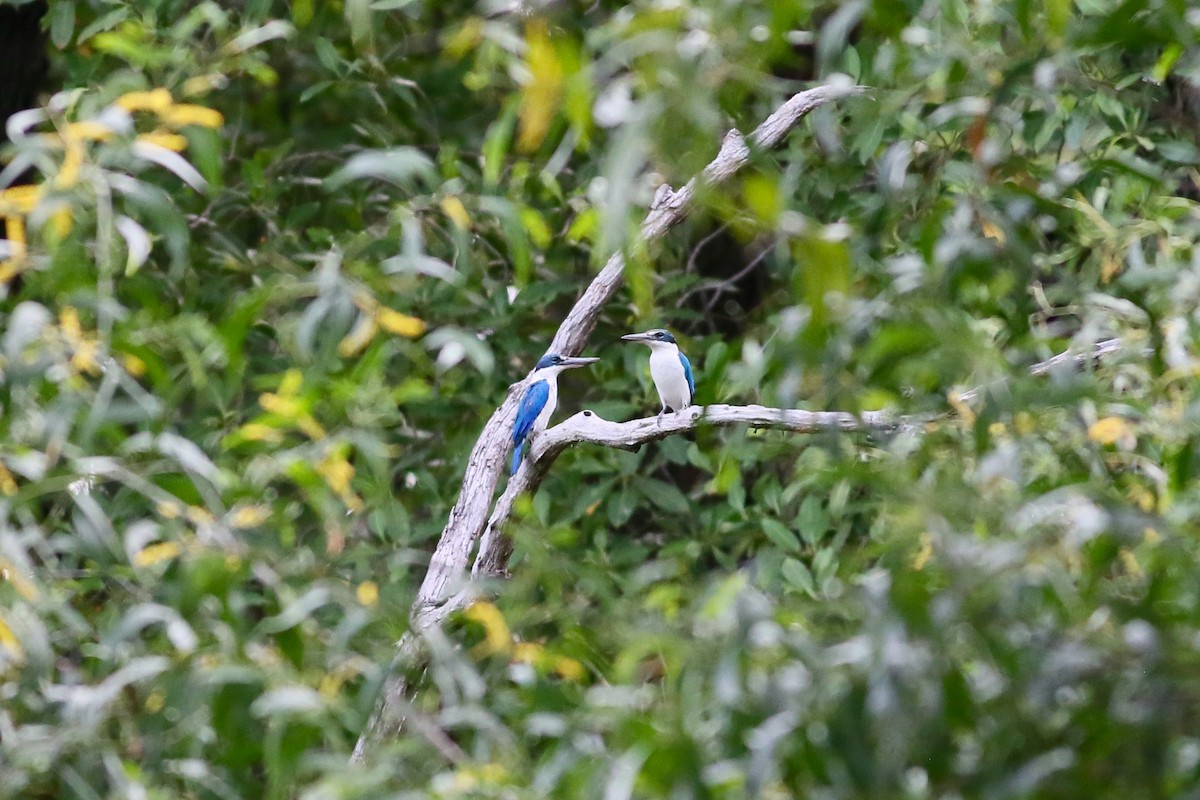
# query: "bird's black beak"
{"points": [[634, 337], [578, 362]]}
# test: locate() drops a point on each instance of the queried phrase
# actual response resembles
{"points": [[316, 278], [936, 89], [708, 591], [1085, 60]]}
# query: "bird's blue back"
{"points": [[532, 404], [687, 373]]}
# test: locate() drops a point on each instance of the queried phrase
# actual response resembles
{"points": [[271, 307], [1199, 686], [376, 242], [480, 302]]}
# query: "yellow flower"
{"points": [[1130, 563], [1109, 430], [283, 406], [924, 553], [68, 173], [456, 211], [367, 593], [156, 554], [338, 472], [497, 637], [542, 94], [14, 203], [964, 410], [468, 778], [358, 338], [569, 668], [170, 141], [156, 701], [9, 641], [399, 324], [310, 426], [290, 385], [68, 321], [133, 365], [8, 484], [250, 516], [86, 348], [16, 242], [60, 221], [168, 509], [155, 100], [178, 116], [84, 358], [88, 130], [202, 84], [257, 432], [19, 199], [536, 655], [199, 516]]}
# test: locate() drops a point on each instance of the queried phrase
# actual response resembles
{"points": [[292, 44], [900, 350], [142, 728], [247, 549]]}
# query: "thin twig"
{"points": [[700, 245], [723, 286]]}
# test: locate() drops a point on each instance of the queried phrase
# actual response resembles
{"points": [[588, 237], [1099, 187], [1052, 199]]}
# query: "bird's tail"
{"points": [[516, 459]]}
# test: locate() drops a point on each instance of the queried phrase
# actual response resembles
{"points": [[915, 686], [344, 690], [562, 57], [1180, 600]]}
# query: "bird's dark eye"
{"points": [[659, 334]]}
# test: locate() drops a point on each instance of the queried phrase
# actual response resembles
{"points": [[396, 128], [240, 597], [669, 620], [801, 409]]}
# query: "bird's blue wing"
{"points": [[531, 405], [687, 373]]}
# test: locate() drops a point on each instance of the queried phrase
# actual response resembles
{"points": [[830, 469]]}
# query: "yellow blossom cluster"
{"points": [[18, 201], [171, 116], [11, 649], [290, 409], [375, 316], [498, 639], [84, 347]]}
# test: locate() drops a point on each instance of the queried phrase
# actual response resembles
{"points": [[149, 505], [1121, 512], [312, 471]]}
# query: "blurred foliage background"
{"points": [[268, 268]]}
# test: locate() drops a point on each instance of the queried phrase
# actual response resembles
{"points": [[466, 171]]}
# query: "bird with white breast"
{"points": [[670, 369], [540, 400]]}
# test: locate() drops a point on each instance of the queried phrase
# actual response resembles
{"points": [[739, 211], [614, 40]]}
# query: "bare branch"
{"points": [[588, 427], [486, 463], [1068, 358], [672, 207], [469, 516]]}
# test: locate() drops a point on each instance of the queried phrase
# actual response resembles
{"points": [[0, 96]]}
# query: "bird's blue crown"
{"points": [[549, 360], [658, 334]]}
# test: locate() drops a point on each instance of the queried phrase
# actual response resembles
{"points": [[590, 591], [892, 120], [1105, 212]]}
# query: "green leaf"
{"points": [[399, 164], [778, 533], [812, 521], [62, 23], [798, 576], [665, 496]]}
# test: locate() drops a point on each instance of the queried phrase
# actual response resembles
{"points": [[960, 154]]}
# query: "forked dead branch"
{"points": [[476, 525], [470, 516]]}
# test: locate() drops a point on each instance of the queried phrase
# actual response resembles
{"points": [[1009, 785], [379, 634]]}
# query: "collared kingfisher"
{"points": [[670, 369], [540, 400]]}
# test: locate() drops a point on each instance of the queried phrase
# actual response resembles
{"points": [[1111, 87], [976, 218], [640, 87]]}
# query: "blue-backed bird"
{"points": [[670, 369], [540, 400]]}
